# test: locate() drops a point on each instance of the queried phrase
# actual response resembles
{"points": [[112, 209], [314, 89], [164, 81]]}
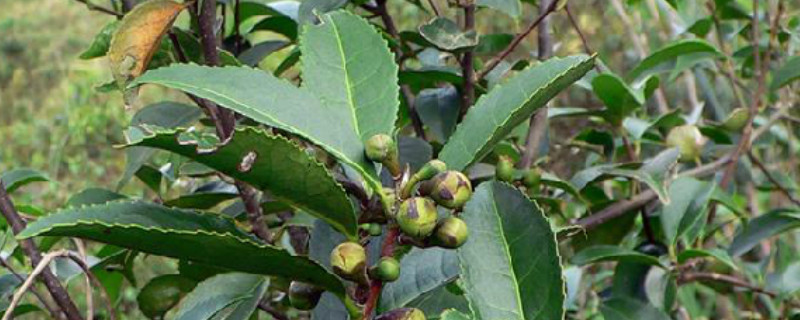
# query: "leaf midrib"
{"points": [[349, 90], [508, 255]]}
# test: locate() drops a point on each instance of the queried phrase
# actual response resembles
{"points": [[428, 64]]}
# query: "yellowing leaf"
{"points": [[138, 37]]}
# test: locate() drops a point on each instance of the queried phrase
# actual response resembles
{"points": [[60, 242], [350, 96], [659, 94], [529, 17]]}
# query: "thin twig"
{"points": [[494, 61], [254, 211], [434, 7], [277, 315], [42, 267], [709, 276], [772, 179], [54, 312], [468, 62], [581, 35], [57, 291], [387, 250], [98, 8], [89, 300]]}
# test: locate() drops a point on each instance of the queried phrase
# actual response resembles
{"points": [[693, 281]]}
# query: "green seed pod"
{"points": [[531, 179], [403, 314], [451, 232], [451, 189], [688, 139], [375, 229], [304, 296], [736, 120], [387, 269], [504, 171], [162, 293], [349, 259], [417, 217]]}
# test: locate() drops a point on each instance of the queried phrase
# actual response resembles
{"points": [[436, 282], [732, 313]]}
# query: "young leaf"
{"points": [[234, 295], [200, 237], [447, 35], [689, 198], [267, 162], [762, 227], [101, 42], [600, 253], [671, 52], [348, 66], [506, 106], [138, 36], [422, 271], [275, 102], [503, 277], [16, 178]]}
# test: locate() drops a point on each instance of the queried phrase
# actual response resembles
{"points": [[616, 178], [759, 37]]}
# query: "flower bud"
{"points": [[531, 178], [380, 147], [451, 189], [736, 120], [417, 217], [688, 140], [451, 232], [403, 314], [374, 229], [349, 259], [429, 170], [304, 296], [387, 269], [504, 171]]}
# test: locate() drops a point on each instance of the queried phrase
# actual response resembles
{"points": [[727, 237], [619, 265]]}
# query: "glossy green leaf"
{"points": [[445, 34], [689, 199], [502, 276], [786, 74], [230, 296], [267, 162], [630, 309], [16, 178], [762, 227], [421, 272], [498, 112], [670, 52], [348, 66], [510, 7], [101, 42], [621, 100], [201, 237], [602, 253]]}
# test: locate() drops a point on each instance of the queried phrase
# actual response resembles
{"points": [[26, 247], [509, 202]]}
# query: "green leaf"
{"points": [[510, 7], [230, 296], [630, 309], [600, 253], [451, 314], [689, 199], [502, 276], [670, 53], [786, 74], [253, 56], [348, 66], [93, 196], [621, 100], [764, 226], [101, 42], [201, 237], [205, 197], [449, 296], [447, 35], [16, 178], [498, 112], [267, 162], [716, 253], [422, 271], [438, 108], [309, 9]]}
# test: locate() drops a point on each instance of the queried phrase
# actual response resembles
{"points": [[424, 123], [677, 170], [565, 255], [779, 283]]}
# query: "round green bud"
{"points": [[504, 171], [380, 148], [417, 217], [304, 296], [375, 229], [162, 293], [688, 140], [349, 259], [451, 232], [431, 169], [736, 120], [387, 269], [451, 189], [403, 314]]}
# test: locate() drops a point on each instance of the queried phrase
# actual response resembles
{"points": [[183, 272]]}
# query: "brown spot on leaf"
{"points": [[247, 162]]}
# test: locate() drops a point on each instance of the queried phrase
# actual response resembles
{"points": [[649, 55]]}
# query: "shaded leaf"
{"points": [[233, 294], [309, 9], [510, 7], [630, 309], [670, 53], [422, 271], [688, 201], [497, 113], [253, 56], [93, 196], [16, 178], [447, 35], [267, 162], [503, 278], [762, 227], [438, 108], [200, 237], [602, 253], [620, 99], [786, 74], [716, 253]]}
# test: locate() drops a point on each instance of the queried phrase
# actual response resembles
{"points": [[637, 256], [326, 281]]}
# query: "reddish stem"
{"points": [[387, 250]]}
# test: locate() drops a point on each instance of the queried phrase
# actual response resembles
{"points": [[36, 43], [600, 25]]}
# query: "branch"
{"points": [[223, 118], [57, 291], [772, 179], [387, 250], [468, 62], [699, 276], [54, 312], [102, 9], [492, 63]]}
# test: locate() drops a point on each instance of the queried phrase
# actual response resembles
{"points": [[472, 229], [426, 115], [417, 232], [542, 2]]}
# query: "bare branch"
{"points": [[98, 8], [708, 276], [772, 179]]}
